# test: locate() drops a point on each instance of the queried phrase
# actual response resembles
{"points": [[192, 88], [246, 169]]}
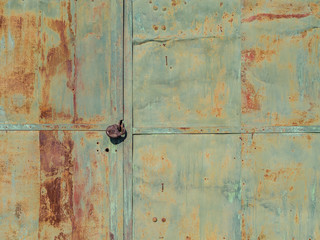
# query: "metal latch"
{"points": [[116, 130]]}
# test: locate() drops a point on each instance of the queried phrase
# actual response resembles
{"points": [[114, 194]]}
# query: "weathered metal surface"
{"points": [[280, 186], [215, 75], [208, 75], [19, 185], [193, 181], [60, 185], [188, 74], [60, 69], [61, 61], [280, 63]]}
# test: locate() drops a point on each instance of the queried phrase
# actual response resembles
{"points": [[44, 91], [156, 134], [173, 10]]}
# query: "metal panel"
{"points": [[19, 23], [155, 20], [61, 62], [191, 78], [99, 53], [280, 186], [60, 185], [187, 187], [19, 185], [280, 63], [61, 68]]}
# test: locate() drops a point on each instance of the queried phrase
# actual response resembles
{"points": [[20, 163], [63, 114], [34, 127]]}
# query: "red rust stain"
{"points": [[257, 55], [251, 99], [58, 62], [111, 236], [55, 154], [270, 17], [56, 198]]}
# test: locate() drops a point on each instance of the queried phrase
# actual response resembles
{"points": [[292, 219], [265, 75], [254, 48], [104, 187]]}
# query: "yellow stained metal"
{"points": [[280, 186], [19, 185], [190, 184], [201, 68], [61, 62]]}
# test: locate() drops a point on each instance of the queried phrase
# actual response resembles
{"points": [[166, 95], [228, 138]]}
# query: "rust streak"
{"points": [[56, 197], [270, 17]]}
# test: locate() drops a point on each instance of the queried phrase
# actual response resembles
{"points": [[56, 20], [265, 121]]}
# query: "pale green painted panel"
{"points": [[186, 187], [98, 187], [280, 63], [19, 185], [184, 19], [186, 63], [99, 71], [280, 189], [56, 62], [187, 83]]}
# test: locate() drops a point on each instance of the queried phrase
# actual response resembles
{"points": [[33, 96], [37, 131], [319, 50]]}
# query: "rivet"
{"points": [[163, 219], [154, 219]]}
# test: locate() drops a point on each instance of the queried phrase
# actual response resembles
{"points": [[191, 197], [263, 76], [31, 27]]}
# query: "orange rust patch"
{"points": [[175, 2], [243, 228], [283, 173], [19, 61]]}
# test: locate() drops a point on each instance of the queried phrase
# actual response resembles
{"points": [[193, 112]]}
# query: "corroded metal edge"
{"points": [[53, 127], [227, 130], [158, 130]]}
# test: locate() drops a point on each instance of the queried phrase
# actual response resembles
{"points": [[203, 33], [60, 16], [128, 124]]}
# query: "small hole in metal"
{"points": [[107, 149]]}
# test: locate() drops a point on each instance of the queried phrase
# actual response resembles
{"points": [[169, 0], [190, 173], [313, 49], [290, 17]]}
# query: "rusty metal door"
{"points": [[221, 105], [61, 86], [225, 119]]}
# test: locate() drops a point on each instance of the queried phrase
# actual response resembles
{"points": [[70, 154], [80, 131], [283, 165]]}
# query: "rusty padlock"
{"points": [[116, 130]]}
